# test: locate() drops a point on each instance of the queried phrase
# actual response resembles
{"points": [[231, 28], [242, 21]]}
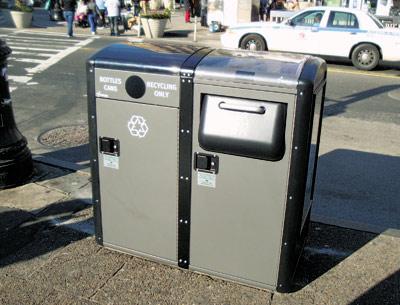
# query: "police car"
{"points": [[330, 32]]}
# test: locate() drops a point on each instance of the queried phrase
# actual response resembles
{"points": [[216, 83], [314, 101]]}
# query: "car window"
{"points": [[342, 20], [309, 18]]}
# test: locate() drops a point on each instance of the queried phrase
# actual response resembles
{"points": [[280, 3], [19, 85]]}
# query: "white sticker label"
{"points": [[111, 161], [206, 179]]}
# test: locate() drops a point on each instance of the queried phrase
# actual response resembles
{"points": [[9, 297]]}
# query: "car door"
{"points": [[342, 31], [302, 33]]}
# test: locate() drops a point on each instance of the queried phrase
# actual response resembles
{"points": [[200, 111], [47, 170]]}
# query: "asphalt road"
{"points": [[360, 148]]}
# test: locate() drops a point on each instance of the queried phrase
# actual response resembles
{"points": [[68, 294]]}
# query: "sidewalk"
{"points": [[48, 256], [177, 30]]}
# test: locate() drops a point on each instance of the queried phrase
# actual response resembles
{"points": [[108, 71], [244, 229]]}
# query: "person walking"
{"points": [[264, 4], [113, 7], [92, 15], [102, 12], [188, 10], [69, 7], [143, 6]]}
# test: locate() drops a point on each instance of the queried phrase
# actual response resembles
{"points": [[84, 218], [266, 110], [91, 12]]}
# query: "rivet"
{"points": [[189, 81], [180, 260], [183, 80], [295, 147], [181, 177], [92, 116], [91, 70], [182, 131], [94, 160], [290, 197], [187, 131], [97, 200], [180, 220], [186, 222], [285, 244], [186, 178], [301, 93], [185, 262]]}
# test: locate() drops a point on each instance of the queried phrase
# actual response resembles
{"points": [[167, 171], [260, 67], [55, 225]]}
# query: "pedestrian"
{"points": [[264, 9], [188, 10], [69, 7], [136, 7], [102, 12], [92, 15], [113, 7], [143, 6]]}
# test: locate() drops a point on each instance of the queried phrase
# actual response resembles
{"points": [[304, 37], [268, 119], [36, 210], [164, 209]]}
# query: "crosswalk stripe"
{"points": [[41, 38], [23, 44], [32, 54], [19, 79], [51, 33], [36, 49], [54, 59], [34, 41], [28, 60]]}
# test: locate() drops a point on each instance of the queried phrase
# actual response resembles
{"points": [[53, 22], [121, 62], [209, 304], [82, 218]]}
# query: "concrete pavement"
{"points": [[48, 256]]}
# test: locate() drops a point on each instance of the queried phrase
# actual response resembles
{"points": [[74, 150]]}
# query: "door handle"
{"points": [[353, 33], [242, 108]]}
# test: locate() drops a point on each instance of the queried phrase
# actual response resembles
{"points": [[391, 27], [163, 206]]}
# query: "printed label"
{"points": [[162, 90], [111, 161], [206, 179], [110, 83]]}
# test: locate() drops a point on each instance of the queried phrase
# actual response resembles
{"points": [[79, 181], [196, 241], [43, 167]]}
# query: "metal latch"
{"points": [[109, 146], [206, 162]]}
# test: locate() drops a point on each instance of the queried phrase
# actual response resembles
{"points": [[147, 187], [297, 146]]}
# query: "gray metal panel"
{"points": [[236, 228], [255, 68], [139, 200], [160, 89]]}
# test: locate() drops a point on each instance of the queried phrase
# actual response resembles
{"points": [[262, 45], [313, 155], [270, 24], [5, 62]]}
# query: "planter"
{"points": [[21, 19], [154, 28]]}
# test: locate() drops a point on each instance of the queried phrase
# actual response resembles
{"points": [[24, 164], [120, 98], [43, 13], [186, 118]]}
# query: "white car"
{"points": [[330, 32]]}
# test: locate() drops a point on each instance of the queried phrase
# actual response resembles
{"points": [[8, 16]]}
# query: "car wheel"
{"points": [[253, 42], [365, 57]]}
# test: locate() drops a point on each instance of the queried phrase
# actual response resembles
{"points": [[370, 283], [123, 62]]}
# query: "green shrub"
{"points": [[158, 15], [22, 7]]}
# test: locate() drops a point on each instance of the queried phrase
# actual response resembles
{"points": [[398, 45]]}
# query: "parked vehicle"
{"points": [[330, 32]]}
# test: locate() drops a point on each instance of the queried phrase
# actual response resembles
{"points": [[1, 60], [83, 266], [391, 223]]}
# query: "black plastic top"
{"points": [[154, 57]]}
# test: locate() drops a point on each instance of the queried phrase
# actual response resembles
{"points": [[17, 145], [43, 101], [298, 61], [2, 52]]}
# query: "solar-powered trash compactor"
{"points": [[205, 159]]}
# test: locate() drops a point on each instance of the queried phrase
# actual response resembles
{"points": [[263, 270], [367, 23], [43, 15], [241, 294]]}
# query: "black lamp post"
{"points": [[15, 157]]}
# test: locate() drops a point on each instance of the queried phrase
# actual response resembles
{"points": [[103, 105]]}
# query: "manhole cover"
{"points": [[65, 136]]}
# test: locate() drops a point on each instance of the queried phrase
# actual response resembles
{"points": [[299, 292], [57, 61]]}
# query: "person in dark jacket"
{"points": [[69, 7], [264, 10], [188, 10]]}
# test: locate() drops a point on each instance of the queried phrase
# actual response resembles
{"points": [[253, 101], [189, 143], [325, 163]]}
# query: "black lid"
{"points": [[154, 57]]}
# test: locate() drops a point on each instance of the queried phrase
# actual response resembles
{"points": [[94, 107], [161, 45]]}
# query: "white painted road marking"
{"points": [[39, 49]]}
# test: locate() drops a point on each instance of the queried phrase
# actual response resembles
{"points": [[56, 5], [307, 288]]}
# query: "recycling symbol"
{"points": [[137, 126]]}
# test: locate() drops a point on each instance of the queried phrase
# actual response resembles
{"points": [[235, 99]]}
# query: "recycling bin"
{"points": [[205, 159]]}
